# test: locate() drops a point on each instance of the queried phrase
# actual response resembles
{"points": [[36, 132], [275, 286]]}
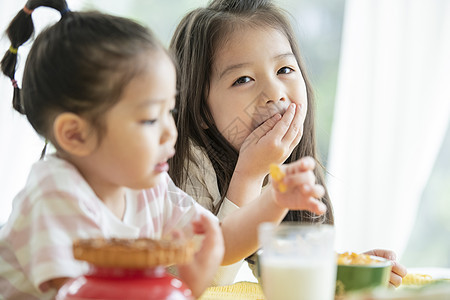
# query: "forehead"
{"points": [[156, 79], [251, 42]]}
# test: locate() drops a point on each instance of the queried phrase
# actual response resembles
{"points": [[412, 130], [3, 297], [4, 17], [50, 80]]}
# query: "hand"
{"points": [[302, 192], [272, 142], [199, 274], [398, 271]]}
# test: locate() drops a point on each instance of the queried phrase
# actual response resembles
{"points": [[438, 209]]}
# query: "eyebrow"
{"points": [[287, 54], [231, 68], [155, 101], [148, 102], [241, 65]]}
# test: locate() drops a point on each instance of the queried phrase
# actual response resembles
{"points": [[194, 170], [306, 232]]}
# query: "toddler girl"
{"points": [[101, 89]]}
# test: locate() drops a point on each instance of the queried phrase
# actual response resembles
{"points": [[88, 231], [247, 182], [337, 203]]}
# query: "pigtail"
{"points": [[20, 31]]}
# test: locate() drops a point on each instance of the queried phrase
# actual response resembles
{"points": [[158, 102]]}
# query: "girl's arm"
{"points": [[272, 142], [240, 229]]}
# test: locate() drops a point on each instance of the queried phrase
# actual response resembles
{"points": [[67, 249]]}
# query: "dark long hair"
{"points": [[80, 64], [195, 43]]}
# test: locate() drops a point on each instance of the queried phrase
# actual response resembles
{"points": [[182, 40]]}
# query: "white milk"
{"points": [[284, 279]]}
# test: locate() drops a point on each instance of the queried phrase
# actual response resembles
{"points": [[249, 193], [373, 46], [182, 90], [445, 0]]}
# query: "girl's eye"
{"points": [[242, 80], [149, 122], [285, 70]]}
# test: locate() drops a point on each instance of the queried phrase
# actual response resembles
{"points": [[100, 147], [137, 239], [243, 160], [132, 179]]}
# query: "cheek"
{"points": [[230, 117], [301, 97], [235, 128], [301, 93]]}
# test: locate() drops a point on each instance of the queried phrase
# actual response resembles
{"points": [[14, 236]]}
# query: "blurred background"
{"points": [[380, 71]]}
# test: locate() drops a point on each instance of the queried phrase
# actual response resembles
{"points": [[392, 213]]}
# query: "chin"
{"points": [[147, 184], [155, 180]]}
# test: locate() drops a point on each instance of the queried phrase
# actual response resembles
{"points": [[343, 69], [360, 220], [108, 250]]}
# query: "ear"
{"points": [[74, 134]]}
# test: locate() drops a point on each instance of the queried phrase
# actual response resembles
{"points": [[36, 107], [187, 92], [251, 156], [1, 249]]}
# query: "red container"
{"points": [[119, 283]]}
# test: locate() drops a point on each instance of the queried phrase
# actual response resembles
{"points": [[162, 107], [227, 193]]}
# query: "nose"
{"points": [[273, 93], [170, 132]]}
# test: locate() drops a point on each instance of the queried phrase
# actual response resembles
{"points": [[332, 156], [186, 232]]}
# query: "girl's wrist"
{"points": [[243, 188], [273, 204], [248, 173], [248, 178]]}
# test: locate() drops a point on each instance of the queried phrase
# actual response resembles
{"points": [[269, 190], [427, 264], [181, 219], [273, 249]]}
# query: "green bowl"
{"points": [[352, 278]]}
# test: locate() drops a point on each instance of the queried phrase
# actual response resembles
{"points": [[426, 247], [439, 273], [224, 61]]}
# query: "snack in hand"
{"points": [[278, 175], [137, 253]]}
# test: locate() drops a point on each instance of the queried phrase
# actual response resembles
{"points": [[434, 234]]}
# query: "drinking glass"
{"points": [[297, 261]]}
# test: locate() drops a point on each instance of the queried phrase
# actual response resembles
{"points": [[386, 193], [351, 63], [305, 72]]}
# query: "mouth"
{"points": [[163, 166], [261, 118]]}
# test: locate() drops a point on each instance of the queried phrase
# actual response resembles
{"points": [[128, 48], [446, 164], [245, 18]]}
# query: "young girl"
{"points": [[244, 103], [101, 89]]}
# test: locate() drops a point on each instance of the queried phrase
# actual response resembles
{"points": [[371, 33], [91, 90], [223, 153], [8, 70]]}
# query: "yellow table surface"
{"points": [[240, 291], [412, 289]]}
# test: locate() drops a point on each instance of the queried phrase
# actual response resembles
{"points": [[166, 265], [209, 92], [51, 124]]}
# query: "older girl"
{"points": [[244, 103]]}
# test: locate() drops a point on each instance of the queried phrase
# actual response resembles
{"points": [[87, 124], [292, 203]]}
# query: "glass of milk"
{"points": [[297, 261]]}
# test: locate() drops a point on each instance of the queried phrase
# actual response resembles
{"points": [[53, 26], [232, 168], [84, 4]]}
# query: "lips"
{"points": [[163, 166]]}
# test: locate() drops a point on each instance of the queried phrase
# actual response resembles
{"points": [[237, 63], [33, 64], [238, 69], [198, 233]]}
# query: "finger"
{"points": [[399, 269], [306, 203], [295, 179], [295, 126], [304, 164], [177, 234], [201, 225], [297, 139], [213, 239], [395, 279], [281, 128], [316, 206], [316, 191], [307, 163], [265, 127], [388, 254]]}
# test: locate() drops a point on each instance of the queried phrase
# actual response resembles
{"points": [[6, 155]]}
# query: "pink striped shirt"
{"points": [[58, 206]]}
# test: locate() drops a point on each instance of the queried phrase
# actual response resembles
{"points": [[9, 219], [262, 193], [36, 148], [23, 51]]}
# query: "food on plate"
{"points": [[278, 175], [416, 279], [133, 253]]}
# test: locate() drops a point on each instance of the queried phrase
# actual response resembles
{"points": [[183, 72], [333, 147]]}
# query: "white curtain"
{"points": [[391, 112]]}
